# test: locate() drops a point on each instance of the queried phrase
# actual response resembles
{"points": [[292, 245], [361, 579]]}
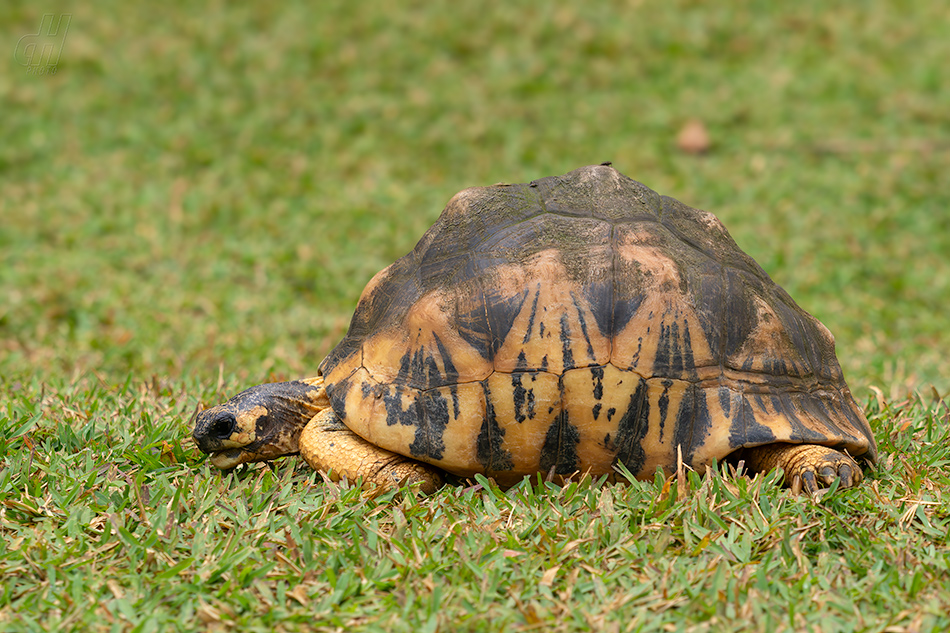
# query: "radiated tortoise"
{"points": [[562, 326]]}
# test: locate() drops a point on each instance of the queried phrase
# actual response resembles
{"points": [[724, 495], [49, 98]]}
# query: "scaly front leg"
{"points": [[329, 446]]}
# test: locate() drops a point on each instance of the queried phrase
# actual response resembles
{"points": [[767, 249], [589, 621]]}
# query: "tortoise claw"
{"points": [[796, 485], [846, 475], [811, 484]]}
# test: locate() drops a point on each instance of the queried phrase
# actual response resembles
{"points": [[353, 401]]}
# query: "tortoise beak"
{"points": [[228, 459]]}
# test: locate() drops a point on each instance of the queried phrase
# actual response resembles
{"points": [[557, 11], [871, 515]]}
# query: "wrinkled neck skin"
{"points": [[259, 424]]}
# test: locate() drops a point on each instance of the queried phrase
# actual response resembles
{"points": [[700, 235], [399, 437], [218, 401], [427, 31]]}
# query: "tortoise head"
{"points": [[259, 424]]}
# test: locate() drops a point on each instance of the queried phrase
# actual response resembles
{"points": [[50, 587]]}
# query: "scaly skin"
{"points": [[329, 446], [806, 466]]}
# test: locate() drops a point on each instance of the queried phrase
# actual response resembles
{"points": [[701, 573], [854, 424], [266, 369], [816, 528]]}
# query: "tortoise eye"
{"points": [[223, 426]]}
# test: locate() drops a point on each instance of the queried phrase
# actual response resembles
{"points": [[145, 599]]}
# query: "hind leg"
{"points": [[329, 446], [806, 466]]}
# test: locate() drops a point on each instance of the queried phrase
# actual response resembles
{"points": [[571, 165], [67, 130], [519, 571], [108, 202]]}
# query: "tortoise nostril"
{"points": [[223, 426]]}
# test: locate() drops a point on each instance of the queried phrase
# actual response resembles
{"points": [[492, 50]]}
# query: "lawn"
{"points": [[193, 197]]}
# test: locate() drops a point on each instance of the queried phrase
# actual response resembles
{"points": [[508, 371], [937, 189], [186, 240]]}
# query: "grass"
{"points": [[116, 525], [193, 201]]}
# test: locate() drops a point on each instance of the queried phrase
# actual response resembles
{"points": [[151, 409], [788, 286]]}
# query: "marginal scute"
{"points": [[581, 322], [588, 395]]}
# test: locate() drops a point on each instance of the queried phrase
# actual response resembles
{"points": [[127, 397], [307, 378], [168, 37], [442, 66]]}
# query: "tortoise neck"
{"points": [[306, 397]]}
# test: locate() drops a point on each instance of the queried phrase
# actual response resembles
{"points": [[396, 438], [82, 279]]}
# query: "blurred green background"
{"points": [[205, 188], [193, 195]]}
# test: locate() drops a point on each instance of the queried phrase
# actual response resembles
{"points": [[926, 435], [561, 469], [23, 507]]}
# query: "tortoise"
{"points": [[567, 325]]}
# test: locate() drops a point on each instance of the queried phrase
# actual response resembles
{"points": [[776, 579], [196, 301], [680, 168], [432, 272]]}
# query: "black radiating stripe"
{"points": [[632, 428], [366, 389], [522, 363], [597, 375], [664, 403], [782, 402], [560, 446], [501, 317], [745, 430], [669, 357], [635, 359], [599, 296], [451, 374], [473, 327], [624, 309], [583, 322], [693, 422], [405, 367], [338, 392], [689, 363], [454, 392], [486, 329], [433, 416], [739, 313], [534, 312], [566, 343], [710, 284], [518, 393], [725, 400], [422, 366], [395, 414], [488, 449], [676, 350], [805, 338]]}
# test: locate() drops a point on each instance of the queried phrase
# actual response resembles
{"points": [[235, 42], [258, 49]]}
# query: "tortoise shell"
{"points": [[579, 321]]}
